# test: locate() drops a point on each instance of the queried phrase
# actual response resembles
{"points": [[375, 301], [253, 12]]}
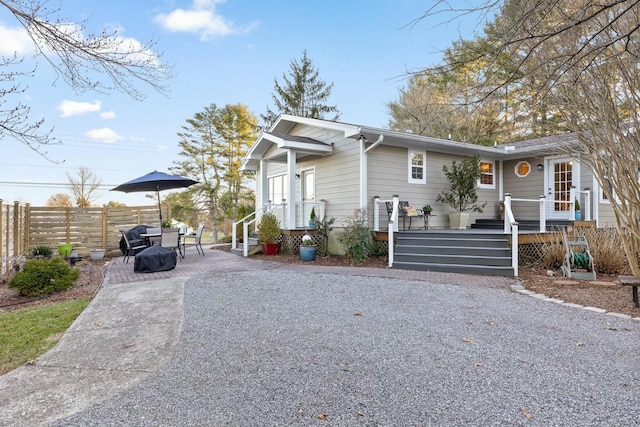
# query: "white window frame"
{"points": [[410, 177], [515, 169], [271, 192], [492, 174]]}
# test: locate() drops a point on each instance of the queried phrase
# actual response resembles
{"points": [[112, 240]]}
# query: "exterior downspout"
{"points": [[364, 168]]}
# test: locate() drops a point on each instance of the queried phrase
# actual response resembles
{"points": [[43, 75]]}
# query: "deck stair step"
{"points": [[254, 247], [523, 224], [473, 251]]}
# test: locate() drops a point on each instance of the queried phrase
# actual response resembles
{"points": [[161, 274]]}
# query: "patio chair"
{"points": [[154, 240], [197, 241], [131, 246], [402, 212], [171, 239]]}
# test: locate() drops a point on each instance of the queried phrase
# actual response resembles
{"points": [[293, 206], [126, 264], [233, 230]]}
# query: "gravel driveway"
{"points": [[282, 348]]}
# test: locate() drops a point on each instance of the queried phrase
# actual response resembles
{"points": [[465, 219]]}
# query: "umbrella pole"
{"points": [[159, 205]]}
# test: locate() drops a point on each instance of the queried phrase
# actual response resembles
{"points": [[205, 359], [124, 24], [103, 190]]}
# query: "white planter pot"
{"points": [[459, 220], [96, 254]]}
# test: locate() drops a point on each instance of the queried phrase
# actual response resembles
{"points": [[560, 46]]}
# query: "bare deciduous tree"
{"points": [[578, 59], [102, 61], [84, 187]]}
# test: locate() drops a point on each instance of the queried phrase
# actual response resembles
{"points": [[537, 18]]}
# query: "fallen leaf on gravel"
{"points": [[99, 324], [358, 313], [469, 307], [128, 344], [526, 413], [580, 344], [610, 328], [322, 417], [468, 339], [492, 324], [477, 364]]}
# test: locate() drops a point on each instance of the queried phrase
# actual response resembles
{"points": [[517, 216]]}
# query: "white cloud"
{"points": [[73, 108], [108, 115], [104, 135], [201, 18], [15, 41], [163, 148]]}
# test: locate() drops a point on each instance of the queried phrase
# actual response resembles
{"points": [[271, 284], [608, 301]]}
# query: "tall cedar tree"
{"points": [[302, 94], [213, 144]]}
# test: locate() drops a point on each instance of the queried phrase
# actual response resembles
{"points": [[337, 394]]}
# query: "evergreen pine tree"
{"points": [[302, 93]]}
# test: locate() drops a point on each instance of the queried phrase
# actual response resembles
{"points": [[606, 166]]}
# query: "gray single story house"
{"points": [[335, 168], [341, 167]]}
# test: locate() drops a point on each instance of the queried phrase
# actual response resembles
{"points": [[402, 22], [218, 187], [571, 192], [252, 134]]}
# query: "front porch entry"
{"points": [[563, 174]]}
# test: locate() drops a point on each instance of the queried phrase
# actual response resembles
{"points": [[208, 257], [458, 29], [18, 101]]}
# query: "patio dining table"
{"points": [[147, 236]]}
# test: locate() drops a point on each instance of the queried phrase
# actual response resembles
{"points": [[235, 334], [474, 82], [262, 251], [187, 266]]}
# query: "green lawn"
{"points": [[26, 334]]}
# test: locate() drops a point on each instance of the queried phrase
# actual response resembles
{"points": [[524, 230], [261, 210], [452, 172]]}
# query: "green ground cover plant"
{"points": [[31, 332]]}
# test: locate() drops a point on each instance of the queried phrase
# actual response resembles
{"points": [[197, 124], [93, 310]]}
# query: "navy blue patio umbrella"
{"points": [[155, 181]]}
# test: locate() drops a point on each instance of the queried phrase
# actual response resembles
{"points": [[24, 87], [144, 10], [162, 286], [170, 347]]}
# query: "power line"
{"points": [[50, 184]]}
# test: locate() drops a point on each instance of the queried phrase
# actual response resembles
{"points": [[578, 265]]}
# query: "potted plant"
{"points": [[41, 251], [312, 218], [166, 224], [578, 213], [96, 254], [64, 249], [308, 248], [427, 209], [268, 233], [463, 191]]}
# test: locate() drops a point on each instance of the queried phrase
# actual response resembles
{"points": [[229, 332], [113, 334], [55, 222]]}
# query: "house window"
{"points": [[417, 167], [487, 175], [277, 189], [522, 169]]}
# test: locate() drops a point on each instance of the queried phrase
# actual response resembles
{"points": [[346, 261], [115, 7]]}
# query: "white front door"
{"points": [[562, 174], [308, 198]]}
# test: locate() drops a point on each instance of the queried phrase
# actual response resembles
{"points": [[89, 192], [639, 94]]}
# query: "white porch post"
{"points": [[572, 206], [291, 206], [587, 204], [543, 214], [264, 184], [376, 213], [507, 213]]}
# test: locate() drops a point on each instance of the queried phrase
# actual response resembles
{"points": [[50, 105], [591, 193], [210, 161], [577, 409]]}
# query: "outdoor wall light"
{"points": [[540, 166]]}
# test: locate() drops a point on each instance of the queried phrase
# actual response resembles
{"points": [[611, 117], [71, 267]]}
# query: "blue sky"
{"points": [[222, 52]]}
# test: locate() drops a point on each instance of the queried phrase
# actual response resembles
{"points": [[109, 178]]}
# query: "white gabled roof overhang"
{"points": [[303, 146], [278, 134]]}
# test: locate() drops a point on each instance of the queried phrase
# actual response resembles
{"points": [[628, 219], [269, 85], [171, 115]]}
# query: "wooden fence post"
{"points": [[16, 228], [27, 226], [68, 225]]}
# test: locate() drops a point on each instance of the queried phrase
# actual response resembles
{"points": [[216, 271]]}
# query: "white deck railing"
{"points": [[280, 211]]}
